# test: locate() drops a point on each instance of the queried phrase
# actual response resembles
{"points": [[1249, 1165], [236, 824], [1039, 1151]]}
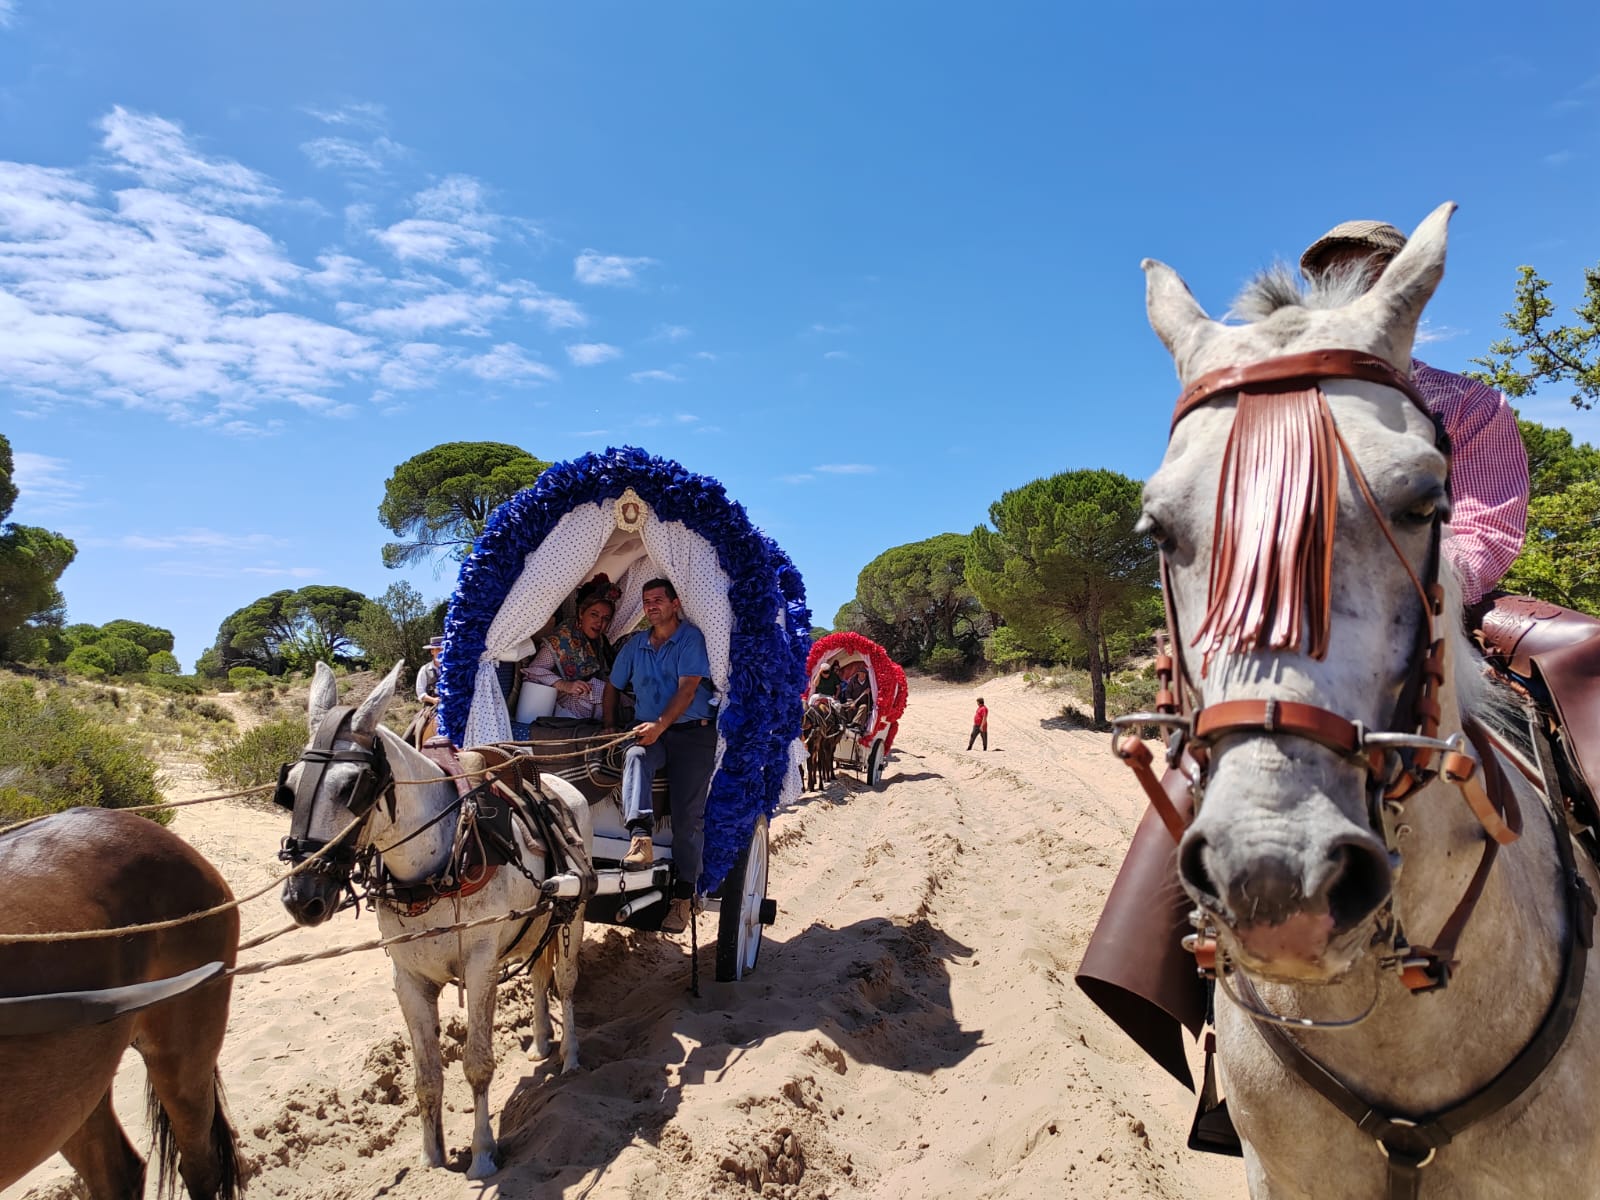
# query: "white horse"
{"points": [[1289, 858], [415, 847]]}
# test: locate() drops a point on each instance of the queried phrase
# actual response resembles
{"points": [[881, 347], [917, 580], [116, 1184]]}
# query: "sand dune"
{"points": [[911, 1029]]}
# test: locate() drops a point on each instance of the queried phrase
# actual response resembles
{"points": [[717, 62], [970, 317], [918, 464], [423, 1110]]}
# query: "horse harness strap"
{"points": [[1290, 369], [1410, 1145]]}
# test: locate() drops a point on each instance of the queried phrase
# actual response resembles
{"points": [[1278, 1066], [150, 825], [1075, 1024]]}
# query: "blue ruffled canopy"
{"points": [[760, 716]]}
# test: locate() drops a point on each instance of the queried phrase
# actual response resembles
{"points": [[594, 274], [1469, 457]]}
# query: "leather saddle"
{"points": [[1555, 653]]}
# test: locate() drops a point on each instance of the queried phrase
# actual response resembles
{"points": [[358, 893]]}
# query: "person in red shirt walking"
{"points": [[980, 726]]}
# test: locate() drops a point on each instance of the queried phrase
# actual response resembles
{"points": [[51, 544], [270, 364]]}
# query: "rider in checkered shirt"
{"points": [[1488, 463]]}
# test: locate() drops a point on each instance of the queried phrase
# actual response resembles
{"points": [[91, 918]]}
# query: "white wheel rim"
{"points": [[755, 891]]}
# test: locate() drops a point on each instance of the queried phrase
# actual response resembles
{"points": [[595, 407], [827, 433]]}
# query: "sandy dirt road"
{"points": [[912, 1028]]}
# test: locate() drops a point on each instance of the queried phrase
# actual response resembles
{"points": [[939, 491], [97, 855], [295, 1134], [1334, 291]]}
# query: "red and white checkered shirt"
{"points": [[1488, 477]]}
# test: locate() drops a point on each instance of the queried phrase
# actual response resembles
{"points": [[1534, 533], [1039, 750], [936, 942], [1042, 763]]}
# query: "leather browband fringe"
{"points": [[1272, 539]]}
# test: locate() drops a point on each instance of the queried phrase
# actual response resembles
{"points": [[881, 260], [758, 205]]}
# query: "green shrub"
{"points": [[183, 685], [92, 662], [946, 662], [55, 757], [246, 677], [1131, 691], [164, 662], [255, 756], [212, 711]]}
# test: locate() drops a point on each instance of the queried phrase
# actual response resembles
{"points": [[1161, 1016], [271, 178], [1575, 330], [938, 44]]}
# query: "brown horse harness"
{"points": [[1398, 762]]}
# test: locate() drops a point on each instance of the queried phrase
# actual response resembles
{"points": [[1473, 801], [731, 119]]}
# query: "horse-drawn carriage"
{"points": [[870, 699], [524, 838], [634, 517]]}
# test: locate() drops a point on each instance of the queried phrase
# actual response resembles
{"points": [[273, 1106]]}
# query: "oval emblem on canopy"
{"points": [[631, 511]]}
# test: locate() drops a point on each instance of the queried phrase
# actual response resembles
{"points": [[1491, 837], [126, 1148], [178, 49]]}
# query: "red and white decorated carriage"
{"points": [[862, 663]]}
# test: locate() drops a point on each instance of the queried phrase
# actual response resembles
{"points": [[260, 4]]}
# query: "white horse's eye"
{"points": [[1155, 531], [1423, 511]]}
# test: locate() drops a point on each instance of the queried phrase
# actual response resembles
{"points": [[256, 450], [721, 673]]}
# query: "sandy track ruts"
{"points": [[911, 1030]]}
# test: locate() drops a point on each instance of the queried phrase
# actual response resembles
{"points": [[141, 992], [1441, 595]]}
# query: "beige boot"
{"points": [[641, 853], [678, 916]]}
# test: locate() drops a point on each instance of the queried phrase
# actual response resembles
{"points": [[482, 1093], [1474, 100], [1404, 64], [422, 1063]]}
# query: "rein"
{"points": [[1255, 606]]}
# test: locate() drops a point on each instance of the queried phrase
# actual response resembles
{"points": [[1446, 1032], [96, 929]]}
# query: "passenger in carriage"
{"points": [[856, 698], [670, 673], [575, 657], [828, 685]]}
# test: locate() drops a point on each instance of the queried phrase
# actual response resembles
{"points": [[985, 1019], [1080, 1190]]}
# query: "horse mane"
{"points": [[1271, 580], [1281, 286]]}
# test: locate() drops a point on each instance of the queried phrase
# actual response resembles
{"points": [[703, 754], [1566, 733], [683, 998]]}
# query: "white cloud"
{"points": [[705, 356], [654, 377], [557, 312], [671, 333], [589, 433], [1428, 333], [44, 485], [831, 330], [167, 291], [197, 539], [433, 241], [509, 363], [153, 298], [340, 272], [362, 115], [466, 311], [590, 354], [210, 569], [610, 270], [162, 155], [802, 477], [414, 365], [845, 469], [346, 154], [454, 227], [8, 14], [686, 418], [838, 355]]}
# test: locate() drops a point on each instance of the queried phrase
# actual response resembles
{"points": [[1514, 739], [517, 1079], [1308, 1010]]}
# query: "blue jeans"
{"points": [[689, 752]]}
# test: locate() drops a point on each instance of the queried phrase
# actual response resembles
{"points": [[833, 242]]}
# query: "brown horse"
{"points": [[821, 728], [94, 868]]}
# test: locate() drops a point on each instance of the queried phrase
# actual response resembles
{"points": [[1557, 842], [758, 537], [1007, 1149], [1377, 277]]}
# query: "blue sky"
{"points": [[870, 264]]}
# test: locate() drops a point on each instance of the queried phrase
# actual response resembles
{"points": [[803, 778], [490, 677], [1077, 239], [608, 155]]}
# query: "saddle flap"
{"points": [[1517, 629]]}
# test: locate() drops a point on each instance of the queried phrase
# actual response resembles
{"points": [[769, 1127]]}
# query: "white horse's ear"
{"points": [[324, 695], [1407, 284], [1175, 315], [372, 708]]}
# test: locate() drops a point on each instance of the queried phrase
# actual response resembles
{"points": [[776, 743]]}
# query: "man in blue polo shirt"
{"points": [[670, 673]]}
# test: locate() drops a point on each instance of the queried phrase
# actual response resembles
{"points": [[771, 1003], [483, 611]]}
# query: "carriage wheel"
{"points": [[745, 909], [875, 766]]}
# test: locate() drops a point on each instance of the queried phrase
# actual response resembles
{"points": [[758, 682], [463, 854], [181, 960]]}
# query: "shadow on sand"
{"points": [[875, 992]]}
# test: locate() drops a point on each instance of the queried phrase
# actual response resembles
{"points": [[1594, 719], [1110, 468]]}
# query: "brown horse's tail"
{"points": [[224, 1145]]}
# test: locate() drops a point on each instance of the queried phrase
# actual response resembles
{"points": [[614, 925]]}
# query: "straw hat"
{"points": [[436, 643], [1377, 237]]}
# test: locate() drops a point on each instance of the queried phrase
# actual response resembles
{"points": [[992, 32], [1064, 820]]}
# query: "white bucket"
{"points": [[535, 700]]}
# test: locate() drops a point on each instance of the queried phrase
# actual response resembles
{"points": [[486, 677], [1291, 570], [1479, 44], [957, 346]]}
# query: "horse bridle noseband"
{"points": [[374, 780], [1398, 762]]}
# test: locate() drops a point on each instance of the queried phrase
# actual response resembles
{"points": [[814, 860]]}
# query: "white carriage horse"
{"points": [[357, 768], [1299, 511]]}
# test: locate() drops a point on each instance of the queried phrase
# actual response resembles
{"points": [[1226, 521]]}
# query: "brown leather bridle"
{"points": [[1398, 761]]}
